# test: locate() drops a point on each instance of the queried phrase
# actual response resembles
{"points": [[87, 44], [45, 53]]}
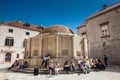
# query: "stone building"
{"points": [[102, 31], [12, 39], [58, 41]]}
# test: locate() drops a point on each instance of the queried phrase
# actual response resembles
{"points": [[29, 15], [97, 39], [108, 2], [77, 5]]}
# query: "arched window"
{"points": [[8, 57]]}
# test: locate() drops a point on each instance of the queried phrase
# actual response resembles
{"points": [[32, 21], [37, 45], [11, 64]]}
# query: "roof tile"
{"points": [[21, 25]]}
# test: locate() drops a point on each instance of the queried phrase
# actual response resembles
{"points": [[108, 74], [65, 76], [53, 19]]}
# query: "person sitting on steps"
{"points": [[66, 66], [72, 65], [56, 67], [51, 67], [15, 64], [25, 65]]}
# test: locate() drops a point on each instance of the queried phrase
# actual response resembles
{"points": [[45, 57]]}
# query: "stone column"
{"points": [[26, 46], [40, 46], [56, 46], [85, 48], [30, 48], [73, 44]]}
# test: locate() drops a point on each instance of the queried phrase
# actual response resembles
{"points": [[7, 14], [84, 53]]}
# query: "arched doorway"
{"points": [[8, 57]]}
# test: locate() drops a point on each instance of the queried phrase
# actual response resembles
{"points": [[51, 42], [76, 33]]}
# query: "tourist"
{"points": [[45, 61], [51, 67], [15, 64], [106, 60], [92, 64], [66, 67], [96, 64], [84, 67], [72, 65], [56, 67], [25, 65], [101, 66]]}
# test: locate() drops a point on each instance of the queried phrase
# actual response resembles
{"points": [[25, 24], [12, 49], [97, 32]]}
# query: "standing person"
{"points": [[47, 58], [45, 61], [105, 60]]}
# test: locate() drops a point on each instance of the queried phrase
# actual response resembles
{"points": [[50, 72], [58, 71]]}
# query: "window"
{"points": [[104, 32], [27, 33], [8, 57], [9, 41], [84, 35], [104, 29], [10, 30]]}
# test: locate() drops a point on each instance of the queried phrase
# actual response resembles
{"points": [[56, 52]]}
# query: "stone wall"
{"points": [[60, 47], [112, 45]]}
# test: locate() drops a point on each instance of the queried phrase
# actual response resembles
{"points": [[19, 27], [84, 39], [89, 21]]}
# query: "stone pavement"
{"points": [[112, 73]]}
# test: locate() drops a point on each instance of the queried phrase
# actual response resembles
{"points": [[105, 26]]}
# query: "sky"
{"points": [[71, 13]]}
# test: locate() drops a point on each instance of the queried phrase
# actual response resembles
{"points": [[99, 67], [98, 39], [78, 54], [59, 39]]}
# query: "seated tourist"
{"points": [[92, 64], [72, 66], [66, 66], [51, 67], [100, 65], [25, 65], [56, 67], [96, 65], [84, 67], [15, 64]]}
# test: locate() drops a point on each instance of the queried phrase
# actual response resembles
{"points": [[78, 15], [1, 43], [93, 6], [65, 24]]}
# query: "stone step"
{"points": [[43, 71]]}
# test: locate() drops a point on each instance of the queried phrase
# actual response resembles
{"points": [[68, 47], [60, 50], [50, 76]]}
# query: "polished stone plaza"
{"points": [[111, 73]]}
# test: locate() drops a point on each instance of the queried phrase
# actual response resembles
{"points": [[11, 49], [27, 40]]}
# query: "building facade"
{"points": [[12, 39], [58, 41], [102, 31]]}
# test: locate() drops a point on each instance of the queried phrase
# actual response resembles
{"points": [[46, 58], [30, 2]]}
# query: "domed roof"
{"points": [[57, 28]]}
